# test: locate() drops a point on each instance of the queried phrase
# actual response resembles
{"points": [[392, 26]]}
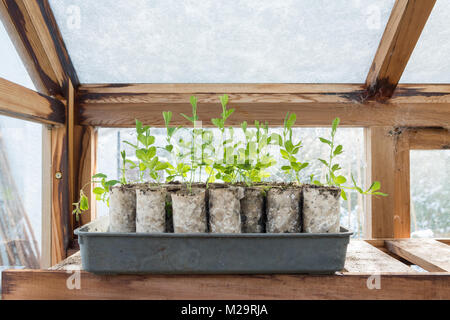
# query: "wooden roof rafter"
{"points": [[35, 34], [404, 27]]}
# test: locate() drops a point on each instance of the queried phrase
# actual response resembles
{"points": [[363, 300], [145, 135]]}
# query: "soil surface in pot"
{"points": [[321, 209]]}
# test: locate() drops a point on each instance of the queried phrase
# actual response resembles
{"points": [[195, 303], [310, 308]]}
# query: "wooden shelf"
{"points": [[373, 270]]}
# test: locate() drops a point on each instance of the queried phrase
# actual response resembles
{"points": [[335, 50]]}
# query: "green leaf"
{"points": [[161, 166], [340, 180], [133, 145], [335, 124], [291, 120], [244, 126], [343, 194], [99, 190], [138, 126], [324, 162], [193, 101], [325, 141], [285, 168], [375, 186], [84, 203], [218, 122], [169, 147], [380, 194], [146, 140], [224, 100], [335, 167], [284, 153], [187, 117], [276, 138], [229, 113], [167, 115], [289, 146], [304, 165], [99, 175], [338, 150], [151, 152], [111, 183]]}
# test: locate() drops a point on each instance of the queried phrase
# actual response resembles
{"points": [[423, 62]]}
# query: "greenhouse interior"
{"points": [[215, 150]]}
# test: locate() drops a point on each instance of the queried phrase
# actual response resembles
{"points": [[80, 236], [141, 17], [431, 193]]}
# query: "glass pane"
{"points": [[11, 66], [430, 193], [210, 41], [20, 193], [352, 161], [433, 48]]}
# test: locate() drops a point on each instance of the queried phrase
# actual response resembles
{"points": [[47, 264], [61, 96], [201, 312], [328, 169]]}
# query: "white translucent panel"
{"points": [[429, 62], [210, 41], [430, 193], [11, 66], [352, 161], [20, 192]]}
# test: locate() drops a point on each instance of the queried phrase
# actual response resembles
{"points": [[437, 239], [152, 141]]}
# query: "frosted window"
{"points": [[20, 193], [429, 60], [11, 66], [210, 41], [352, 160], [430, 193]]}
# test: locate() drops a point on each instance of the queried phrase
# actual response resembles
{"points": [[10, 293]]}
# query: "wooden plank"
{"points": [[35, 34], [60, 195], [85, 160], [429, 138], [47, 178], [118, 105], [445, 241], [387, 153], [407, 20], [429, 254], [365, 258], [29, 284], [22, 103]]}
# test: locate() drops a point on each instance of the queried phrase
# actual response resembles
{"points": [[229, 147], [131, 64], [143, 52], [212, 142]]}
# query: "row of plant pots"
{"points": [[224, 208]]}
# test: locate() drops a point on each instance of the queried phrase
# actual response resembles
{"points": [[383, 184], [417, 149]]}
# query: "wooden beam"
{"points": [[429, 254], [387, 153], [85, 157], [407, 20], [118, 105], [22, 103], [60, 218], [35, 34], [429, 138], [365, 258], [30, 284]]}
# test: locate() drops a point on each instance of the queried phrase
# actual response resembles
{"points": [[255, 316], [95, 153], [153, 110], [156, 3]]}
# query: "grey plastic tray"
{"points": [[113, 253]]}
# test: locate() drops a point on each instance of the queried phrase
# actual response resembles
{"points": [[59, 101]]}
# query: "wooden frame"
{"points": [[318, 104], [376, 270], [408, 17], [383, 107]]}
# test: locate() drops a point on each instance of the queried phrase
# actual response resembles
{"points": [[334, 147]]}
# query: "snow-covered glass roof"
{"points": [[12, 67], [429, 62], [211, 41]]}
